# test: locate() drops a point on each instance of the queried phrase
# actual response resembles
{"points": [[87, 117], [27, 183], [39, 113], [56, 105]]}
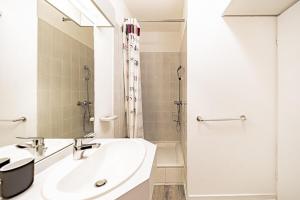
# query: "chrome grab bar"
{"points": [[241, 118], [21, 119]]}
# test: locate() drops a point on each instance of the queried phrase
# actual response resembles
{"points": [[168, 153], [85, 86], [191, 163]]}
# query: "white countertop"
{"points": [[142, 174]]}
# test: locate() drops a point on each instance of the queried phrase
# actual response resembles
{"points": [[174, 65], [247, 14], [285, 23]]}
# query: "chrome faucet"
{"points": [[37, 144], [79, 148]]}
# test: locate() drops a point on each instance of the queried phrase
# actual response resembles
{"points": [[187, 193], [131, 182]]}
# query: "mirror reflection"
{"points": [[65, 86]]}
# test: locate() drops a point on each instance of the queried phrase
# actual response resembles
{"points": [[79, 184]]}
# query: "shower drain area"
{"points": [[169, 168]]}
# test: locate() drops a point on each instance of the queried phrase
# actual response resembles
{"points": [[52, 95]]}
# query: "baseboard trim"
{"points": [[233, 197]]}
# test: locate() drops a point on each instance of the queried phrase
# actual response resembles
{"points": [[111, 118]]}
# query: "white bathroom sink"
{"points": [[114, 161]]}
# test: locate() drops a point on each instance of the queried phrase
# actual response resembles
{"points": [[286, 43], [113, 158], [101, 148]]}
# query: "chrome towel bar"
{"points": [[21, 119], [241, 118]]}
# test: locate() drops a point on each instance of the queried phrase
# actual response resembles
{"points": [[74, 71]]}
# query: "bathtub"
{"points": [[169, 167]]}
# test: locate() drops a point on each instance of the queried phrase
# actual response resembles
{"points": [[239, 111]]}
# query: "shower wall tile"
{"points": [[183, 61], [61, 82], [159, 91]]}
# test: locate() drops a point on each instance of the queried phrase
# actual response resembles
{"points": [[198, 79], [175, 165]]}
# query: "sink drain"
{"points": [[100, 182]]}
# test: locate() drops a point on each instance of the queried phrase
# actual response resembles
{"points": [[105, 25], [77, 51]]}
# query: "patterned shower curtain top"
{"points": [[132, 79], [132, 29]]}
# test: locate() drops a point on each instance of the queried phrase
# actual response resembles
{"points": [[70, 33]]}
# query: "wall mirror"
{"points": [[65, 77], [60, 77]]}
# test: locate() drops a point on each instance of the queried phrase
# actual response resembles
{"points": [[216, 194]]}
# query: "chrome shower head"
{"points": [[178, 69]]}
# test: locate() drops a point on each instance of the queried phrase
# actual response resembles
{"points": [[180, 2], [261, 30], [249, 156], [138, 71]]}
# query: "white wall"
{"points": [[104, 68], [231, 71], [121, 11], [289, 104], [160, 41], [18, 68], [53, 17], [109, 97]]}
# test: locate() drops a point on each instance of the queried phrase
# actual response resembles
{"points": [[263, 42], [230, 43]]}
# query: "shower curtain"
{"points": [[132, 79]]}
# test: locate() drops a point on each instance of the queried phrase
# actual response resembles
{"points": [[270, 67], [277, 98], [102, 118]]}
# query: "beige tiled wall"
{"points": [[61, 82], [183, 61], [160, 90]]}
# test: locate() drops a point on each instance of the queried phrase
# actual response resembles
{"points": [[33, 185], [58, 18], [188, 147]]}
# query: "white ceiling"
{"points": [[156, 10], [258, 7]]}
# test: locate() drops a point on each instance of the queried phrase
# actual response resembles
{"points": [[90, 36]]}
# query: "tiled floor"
{"points": [[168, 192]]}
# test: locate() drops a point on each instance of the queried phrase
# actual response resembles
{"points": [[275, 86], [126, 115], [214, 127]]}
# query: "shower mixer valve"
{"points": [[83, 103]]}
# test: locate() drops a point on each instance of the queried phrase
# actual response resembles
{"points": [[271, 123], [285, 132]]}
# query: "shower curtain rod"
{"points": [[66, 19], [164, 20]]}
